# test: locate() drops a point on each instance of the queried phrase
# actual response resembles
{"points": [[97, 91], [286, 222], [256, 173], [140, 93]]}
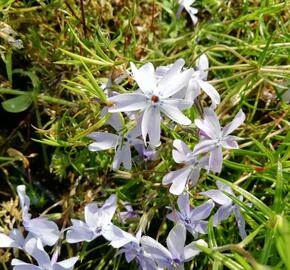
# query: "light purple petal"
{"points": [[176, 240], [128, 102], [209, 124], [202, 211], [204, 147], [67, 264], [6, 241], [183, 204], [145, 77], [217, 196], [155, 250], [229, 143], [174, 113], [202, 65], [222, 214], [151, 125], [35, 248], [237, 121], [191, 250], [91, 215], [240, 221], [223, 187], [103, 140], [192, 11], [123, 156], [193, 90], [180, 155], [20, 265], [17, 236], [194, 177], [216, 160], [79, 232]]}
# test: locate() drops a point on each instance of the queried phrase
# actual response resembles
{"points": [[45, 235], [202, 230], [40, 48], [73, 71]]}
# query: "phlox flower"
{"points": [[40, 227], [121, 143], [215, 138], [227, 206], [128, 214], [190, 172], [193, 219], [97, 221], [176, 254], [186, 4], [130, 246], [155, 97], [35, 248]]}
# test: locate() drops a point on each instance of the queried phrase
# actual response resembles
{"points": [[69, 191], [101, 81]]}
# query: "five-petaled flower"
{"points": [[155, 97]]}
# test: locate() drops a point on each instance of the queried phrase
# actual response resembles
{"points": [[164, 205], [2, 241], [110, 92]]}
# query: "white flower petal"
{"points": [[176, 239], [210, 91], [192, 250], [103, 141], [128, 102], [6, 241], [151, 125], [237, 121], [175, 114], [145, 77]]}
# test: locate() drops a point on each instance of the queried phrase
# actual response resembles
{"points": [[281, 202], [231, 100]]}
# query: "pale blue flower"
{"points": [[190, 172], [155, 97], [40, 227], [176, 254], [193, 219], [227, 206], [215, 138], [35, 248], [186, 4], [97, 221]]}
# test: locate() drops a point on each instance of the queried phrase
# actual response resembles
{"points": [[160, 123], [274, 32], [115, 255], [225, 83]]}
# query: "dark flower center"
{"points": [[155, 99], [98, 230]]}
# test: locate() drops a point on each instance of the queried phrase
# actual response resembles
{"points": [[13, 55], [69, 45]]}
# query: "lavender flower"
{"points": [[227, 206], [128, 214], [216, 138], [190, 172], [186, 4], [35, 248], [177, 254], [42, 228], [97, 221], [193, 219], [155, 97], [122, 144]]}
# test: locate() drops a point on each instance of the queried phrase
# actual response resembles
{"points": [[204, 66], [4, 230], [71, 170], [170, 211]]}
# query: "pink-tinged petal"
{"points": [[183, 204], [209, 124], [202, 211], [67, 264], [145, 77], [210, 91], [175, 114], [204, 147], [217, 196], [191, 250], [237, 121], [151, 125], [128, 102], [103, 141], [6, 241], [169, 86], [222, 214], [176, 239], [216, 160]]}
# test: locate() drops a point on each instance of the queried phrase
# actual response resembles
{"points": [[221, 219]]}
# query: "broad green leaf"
{"points": [[17, 104]]}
